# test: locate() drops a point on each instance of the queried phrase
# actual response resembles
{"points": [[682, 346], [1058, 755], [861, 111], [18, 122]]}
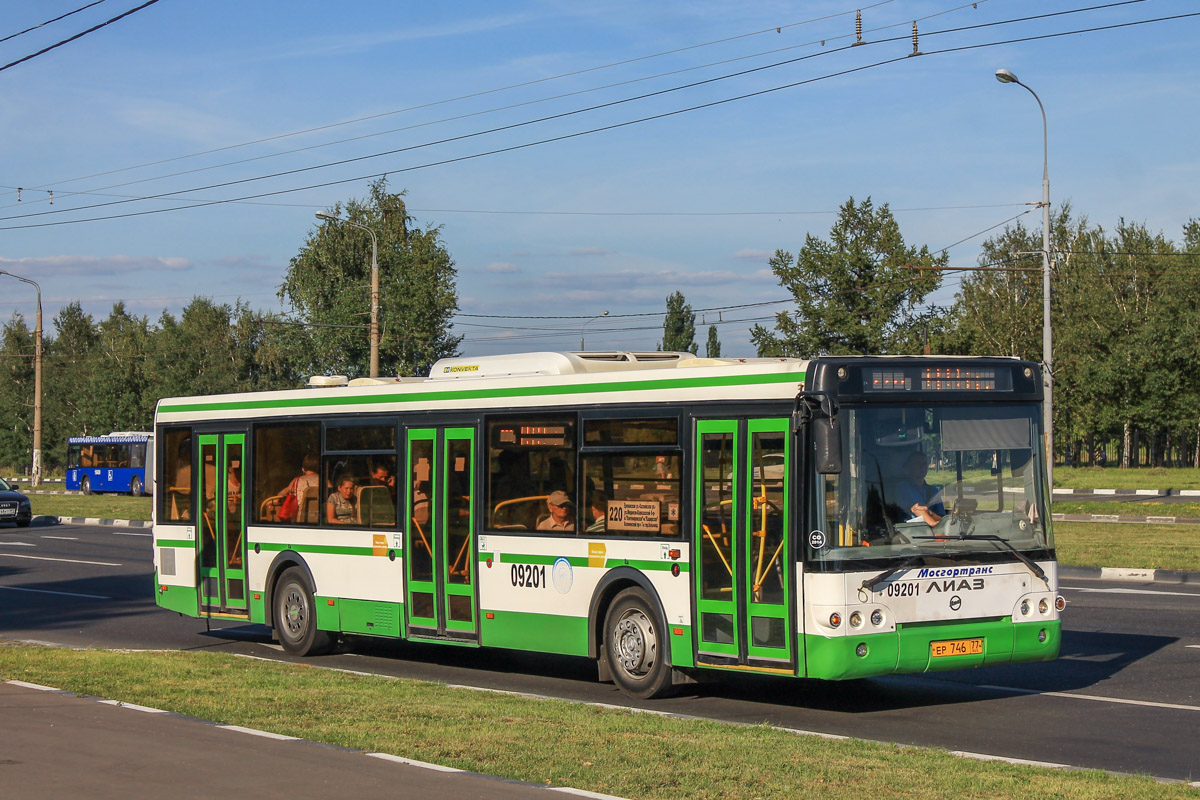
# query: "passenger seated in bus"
{"points": [[914, 495], [562, 513], [381, 475], [307, 480], [598, 508], [339, 508]]}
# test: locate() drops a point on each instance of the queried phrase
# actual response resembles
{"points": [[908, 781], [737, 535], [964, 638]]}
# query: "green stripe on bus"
{"points": [[186, 543], [541, 633], [182, 599], [326, 549], [325, 399], [583, 561]]}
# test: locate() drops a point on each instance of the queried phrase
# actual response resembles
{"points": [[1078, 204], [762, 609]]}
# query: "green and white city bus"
{"points": [[660, 513]]}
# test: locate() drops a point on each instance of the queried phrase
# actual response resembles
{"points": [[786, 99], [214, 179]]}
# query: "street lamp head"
{"points": [[1006, 76], [604, 313], [328, 216]]}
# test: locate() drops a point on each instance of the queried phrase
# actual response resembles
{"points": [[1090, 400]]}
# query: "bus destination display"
{"points": [[938, 379]]}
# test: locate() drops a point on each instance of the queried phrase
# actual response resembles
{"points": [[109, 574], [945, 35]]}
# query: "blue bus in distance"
{"points": [[117, 462]]}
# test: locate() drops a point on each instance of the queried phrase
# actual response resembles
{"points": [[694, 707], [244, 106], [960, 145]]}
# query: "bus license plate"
{"points": [[956, 647]]}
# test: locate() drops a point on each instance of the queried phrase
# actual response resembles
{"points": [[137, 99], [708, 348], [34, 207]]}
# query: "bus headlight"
{"points": [[1043, 606], [877, 618], [856, 619]]}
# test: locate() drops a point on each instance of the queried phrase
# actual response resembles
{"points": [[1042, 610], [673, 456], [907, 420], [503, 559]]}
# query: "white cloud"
{"points": [[502, 267], [754, 255], [92, 266]]}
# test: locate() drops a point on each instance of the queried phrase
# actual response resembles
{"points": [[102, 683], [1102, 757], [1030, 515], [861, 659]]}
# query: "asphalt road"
{"points": [[1124, 696]]}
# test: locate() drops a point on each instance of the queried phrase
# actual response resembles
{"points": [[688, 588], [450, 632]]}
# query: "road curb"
{"points": [[1128, 492], [1130, 519], [118, 523], [1129, 574]]}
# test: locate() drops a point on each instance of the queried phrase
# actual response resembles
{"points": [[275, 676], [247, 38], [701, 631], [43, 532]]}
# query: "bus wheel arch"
{"points": [[628, 635], [293, 615]]}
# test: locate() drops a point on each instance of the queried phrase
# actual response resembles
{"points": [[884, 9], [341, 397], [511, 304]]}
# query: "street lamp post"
{"points": [[584, 325], [36, 475], [374, 287], [1005, 76]]}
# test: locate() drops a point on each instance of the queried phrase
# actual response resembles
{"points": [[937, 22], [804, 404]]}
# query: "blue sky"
{"points": [[695, 201]]}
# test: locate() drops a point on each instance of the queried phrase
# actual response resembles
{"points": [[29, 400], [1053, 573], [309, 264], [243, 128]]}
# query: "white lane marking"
{"points": [[1096, 697], [120, 533], [64, 560], [37, 686], [63, 594], [1024, 762], [1118, 590], [133, 706], [63, 538], [19, 544], [582, 793], [410, 762], [264, 734], [1193, 646]]}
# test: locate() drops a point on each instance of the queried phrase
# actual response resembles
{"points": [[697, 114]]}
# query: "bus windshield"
{"points": [[933, 481]]}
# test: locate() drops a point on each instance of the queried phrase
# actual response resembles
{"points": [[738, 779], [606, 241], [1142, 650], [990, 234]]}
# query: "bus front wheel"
{"points": [[85, 485], [635, 643], [135, 486], [296, 616]]}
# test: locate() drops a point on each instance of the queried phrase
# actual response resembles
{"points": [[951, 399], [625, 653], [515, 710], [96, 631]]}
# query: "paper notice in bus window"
{"points": [[633, 515]]}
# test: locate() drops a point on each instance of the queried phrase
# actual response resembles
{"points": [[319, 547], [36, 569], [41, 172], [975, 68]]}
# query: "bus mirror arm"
{"points": [[819, 410]]}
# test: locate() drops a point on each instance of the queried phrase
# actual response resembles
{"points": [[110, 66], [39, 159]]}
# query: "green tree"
{"points": [[117, 390], [327, 286], [69, 364], [860, 292], [16, 394], [712, 348], [679, 326]]}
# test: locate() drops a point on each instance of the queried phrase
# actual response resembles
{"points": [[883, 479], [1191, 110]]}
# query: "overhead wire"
{"points": [[79, 35], [50, 21], [99, 190], [472, 95], [572, 112], [562, 137]]}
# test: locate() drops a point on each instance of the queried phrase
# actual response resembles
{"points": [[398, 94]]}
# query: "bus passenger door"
{"points": [[222, 524], [743, 544], [439, 534]]}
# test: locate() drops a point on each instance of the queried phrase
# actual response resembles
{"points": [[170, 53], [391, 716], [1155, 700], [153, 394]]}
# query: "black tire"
{"points": [[85, 485], [296, 616], [635, 642], [135, 486], [23, 523]]}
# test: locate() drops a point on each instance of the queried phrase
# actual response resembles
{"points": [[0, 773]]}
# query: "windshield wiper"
{"points": [[1026, 560], [882, 577]]}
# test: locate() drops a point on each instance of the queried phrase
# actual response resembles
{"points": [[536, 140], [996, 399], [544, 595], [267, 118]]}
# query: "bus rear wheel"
{"points": [[635, 644], [135, 486], [296, 616], [85, 485]]}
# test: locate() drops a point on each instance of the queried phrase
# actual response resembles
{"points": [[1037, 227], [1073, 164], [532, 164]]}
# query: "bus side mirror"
{"points": [[827, 446], [818, 411]]}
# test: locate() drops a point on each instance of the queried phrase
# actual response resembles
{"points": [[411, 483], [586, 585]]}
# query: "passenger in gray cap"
{"points": [[562, 513]]}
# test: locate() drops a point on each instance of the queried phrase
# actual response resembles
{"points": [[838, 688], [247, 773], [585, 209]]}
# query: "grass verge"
{"points": [[545, 741], [1099, 544], [105, 506], [1143, 508], [1117, 478]]}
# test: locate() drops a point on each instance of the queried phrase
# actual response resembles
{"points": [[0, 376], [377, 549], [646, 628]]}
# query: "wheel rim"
{"points": [[136, 487], [635, 643], [294, 612]]}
